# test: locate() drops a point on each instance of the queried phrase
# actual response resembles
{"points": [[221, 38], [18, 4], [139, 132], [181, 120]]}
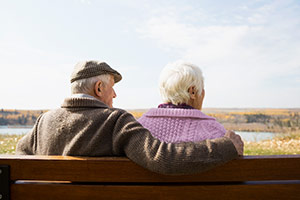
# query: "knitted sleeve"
{"points": [[27, 144], [137, 143]]}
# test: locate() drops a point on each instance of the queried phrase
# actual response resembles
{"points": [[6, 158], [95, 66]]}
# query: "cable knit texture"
{"points": [[87, 127], [181, 125]]}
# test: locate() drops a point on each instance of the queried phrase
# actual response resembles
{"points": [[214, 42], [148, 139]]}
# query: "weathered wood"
{"points": [[66, 177], [211, 192], [66, 168]]}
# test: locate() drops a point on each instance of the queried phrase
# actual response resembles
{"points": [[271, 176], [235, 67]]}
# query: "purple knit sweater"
{"points": [[174, 125]]}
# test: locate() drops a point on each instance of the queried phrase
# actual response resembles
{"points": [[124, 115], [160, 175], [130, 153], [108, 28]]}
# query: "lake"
{"points": [[256, 136], [14, 130], [246, 136]]}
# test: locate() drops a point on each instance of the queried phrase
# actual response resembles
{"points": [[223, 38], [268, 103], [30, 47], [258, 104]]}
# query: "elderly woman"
{"points": [[179, 118]]}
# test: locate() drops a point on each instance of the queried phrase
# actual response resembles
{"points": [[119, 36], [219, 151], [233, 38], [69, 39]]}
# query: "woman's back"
{"points": [[181, 125]]}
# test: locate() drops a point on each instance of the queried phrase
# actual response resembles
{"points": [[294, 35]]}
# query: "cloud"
{"points": [[88, 2], [30, 77], [238, 53]]}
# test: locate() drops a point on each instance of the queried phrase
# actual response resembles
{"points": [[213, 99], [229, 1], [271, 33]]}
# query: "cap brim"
{"points": [[117, 77]]}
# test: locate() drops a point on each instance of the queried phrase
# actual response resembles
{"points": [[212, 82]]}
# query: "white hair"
{"points": [[175, 80], [87, 85]]}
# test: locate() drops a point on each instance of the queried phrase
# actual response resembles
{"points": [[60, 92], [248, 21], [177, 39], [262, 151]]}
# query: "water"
{"points": [[256, 136], [246, 136], [14, 130]]}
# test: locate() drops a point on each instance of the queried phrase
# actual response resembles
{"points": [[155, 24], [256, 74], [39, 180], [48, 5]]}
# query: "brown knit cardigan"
{"points": [[87, 127]]}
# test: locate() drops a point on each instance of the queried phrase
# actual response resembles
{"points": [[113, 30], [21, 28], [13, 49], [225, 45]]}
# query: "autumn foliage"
{"points": [[19, 117], [262, 120]]}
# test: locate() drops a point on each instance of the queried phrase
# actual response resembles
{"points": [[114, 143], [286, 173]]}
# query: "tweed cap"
{"points": [[89, 69]]}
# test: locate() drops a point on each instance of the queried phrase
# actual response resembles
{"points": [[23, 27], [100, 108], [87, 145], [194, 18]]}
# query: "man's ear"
{"points": [[98, 88], [192, 92]]}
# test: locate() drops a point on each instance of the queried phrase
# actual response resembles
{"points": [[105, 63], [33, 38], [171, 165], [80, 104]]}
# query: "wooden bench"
{"points": [[64, 177]]}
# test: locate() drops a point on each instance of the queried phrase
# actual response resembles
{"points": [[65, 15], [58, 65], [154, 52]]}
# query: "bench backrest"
{"points": [[53, 177]]}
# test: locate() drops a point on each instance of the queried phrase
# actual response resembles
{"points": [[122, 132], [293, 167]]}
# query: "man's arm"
{"points": [[137, 143], [26, 146]]}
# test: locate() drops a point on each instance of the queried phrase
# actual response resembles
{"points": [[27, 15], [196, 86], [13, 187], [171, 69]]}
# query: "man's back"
{"points": [[82, 127]]}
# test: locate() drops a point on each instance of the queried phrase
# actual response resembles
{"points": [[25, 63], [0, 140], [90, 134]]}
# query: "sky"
{"points": [[249, 51]]}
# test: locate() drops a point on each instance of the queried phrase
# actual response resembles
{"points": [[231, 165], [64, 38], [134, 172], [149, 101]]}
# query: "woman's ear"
{"points": [[192, 92], [98, 88], [202, 94]]}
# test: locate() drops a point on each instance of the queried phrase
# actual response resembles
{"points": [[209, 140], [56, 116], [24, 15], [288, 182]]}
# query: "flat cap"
{"points": [[89, 69]]}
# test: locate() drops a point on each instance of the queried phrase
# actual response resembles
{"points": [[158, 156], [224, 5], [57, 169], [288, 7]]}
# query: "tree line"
{"points": [[19, 117], [251, 120], [264, 120]]}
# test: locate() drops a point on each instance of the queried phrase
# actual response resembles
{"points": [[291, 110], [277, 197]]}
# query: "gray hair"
{"points": [[87, 85], [175, 80]]}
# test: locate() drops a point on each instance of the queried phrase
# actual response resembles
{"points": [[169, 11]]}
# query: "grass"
{"points": [[8, 143], [287, 144]]}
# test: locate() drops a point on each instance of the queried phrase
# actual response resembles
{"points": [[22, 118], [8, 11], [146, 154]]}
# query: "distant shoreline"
{"points": [[15, 126], [276, 120]]}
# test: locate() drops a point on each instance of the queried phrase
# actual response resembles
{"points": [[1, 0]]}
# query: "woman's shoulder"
{"points": [[213, 127], [177, 112]]}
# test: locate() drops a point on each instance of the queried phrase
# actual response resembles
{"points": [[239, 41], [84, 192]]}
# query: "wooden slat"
{"points": [[61, 168], [211, 192]]}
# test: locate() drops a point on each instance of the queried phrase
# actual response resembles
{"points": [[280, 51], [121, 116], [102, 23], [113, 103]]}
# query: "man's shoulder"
{"points": [[116, 112], [120, 112], [109, 114], [100, 110]]}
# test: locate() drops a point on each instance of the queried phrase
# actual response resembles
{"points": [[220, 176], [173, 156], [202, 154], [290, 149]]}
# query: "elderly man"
{"points": [[88, 125]]}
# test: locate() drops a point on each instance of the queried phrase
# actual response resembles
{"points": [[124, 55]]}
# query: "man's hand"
{"points": [[237, 141]]}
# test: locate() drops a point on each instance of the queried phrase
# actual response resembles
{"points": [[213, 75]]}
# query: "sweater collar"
{"points": [[170, 105], [178, 112], [82, 95], [82, 102]]}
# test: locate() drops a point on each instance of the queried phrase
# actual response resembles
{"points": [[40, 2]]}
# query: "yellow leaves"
{"points": [[19, 117], [136, 114], [285, 120], [272, 112]]}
